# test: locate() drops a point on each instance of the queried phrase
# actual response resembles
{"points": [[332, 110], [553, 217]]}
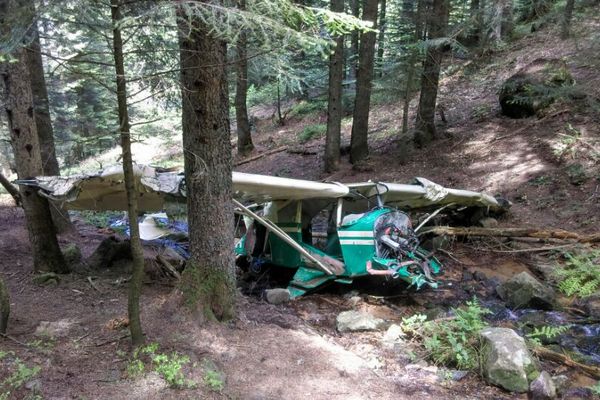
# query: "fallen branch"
{"points": [[566, 360], [261, 155], [11, 189], [92, 284], [167, 265], [514, 232], [302, 151], [13, 339]]}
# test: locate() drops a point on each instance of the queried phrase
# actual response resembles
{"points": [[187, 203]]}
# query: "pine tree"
{"points": [[334, 103], [359, 147], [20, 116], [208, 282]]}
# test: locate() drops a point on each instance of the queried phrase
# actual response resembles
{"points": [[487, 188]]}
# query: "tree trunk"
{"points": [[20, 117], [420, 19], [425, 125], [410, 72], [359, 148], [334, 104], [137, 255], [4, 306], [566, 21], [60, 216], [381, 38], [354, 40], [244, 138], [208, 282]]}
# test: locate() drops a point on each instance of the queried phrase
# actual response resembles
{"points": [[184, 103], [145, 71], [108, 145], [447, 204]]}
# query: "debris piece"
{"points": [[523, 290], [542, 388], [506, 360], [277, 295], [352, 321]]}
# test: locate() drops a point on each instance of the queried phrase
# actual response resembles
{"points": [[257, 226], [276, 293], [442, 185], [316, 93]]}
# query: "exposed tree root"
{"points": [[566, 360]]}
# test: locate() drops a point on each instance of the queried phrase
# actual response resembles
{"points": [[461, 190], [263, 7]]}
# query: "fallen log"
{"points": [[566, 360], [513, 232], [261, 155], [11, 189]]}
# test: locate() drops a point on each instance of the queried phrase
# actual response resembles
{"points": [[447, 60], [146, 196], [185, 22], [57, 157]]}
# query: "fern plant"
{"points": [[546, 332], [580, 274], [455, 342]]}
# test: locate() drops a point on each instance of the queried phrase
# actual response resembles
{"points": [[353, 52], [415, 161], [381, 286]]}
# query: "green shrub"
{"points": [[311, 132], [304, 108], [168, 366], [580, 274]]}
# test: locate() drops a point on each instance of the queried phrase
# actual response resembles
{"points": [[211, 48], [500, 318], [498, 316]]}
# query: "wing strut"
{"points": [[283, 236]]}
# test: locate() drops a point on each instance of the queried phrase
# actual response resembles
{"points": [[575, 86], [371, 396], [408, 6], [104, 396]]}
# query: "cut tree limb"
{"points": [[11, 189], [566, 360], [261, 155], [514, 232]]}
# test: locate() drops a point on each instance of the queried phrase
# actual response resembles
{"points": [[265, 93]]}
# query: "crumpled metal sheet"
{"points": [[105, 190]]}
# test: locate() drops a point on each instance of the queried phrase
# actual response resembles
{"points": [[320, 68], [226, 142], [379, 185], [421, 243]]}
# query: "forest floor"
{"points": [[76, 333]]}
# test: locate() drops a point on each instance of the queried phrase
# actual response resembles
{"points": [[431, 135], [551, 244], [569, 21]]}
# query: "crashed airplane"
{"points": [[366, 229]]}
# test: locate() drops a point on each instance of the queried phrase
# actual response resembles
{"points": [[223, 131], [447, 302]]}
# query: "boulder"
{"points": [[591, 306], [542, 388], [277, 296], [351, 321], [506, 360], [523, 290], [392, 336], [529, 91]]}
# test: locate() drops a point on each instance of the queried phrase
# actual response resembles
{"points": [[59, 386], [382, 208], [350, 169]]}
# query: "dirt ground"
{"points": [[293, 351]]}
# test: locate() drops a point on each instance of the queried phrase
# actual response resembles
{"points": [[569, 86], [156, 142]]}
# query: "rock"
{"points": [[542, 388], [354, 301], [35, 385], [54, 329], [458, 375], [529, 91], [351, 321], [561, 382], [277, 296], [393, 335], [72, 254], [506, 360], [523, 290], [591, 306], [578, 393], [488, 222]]}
